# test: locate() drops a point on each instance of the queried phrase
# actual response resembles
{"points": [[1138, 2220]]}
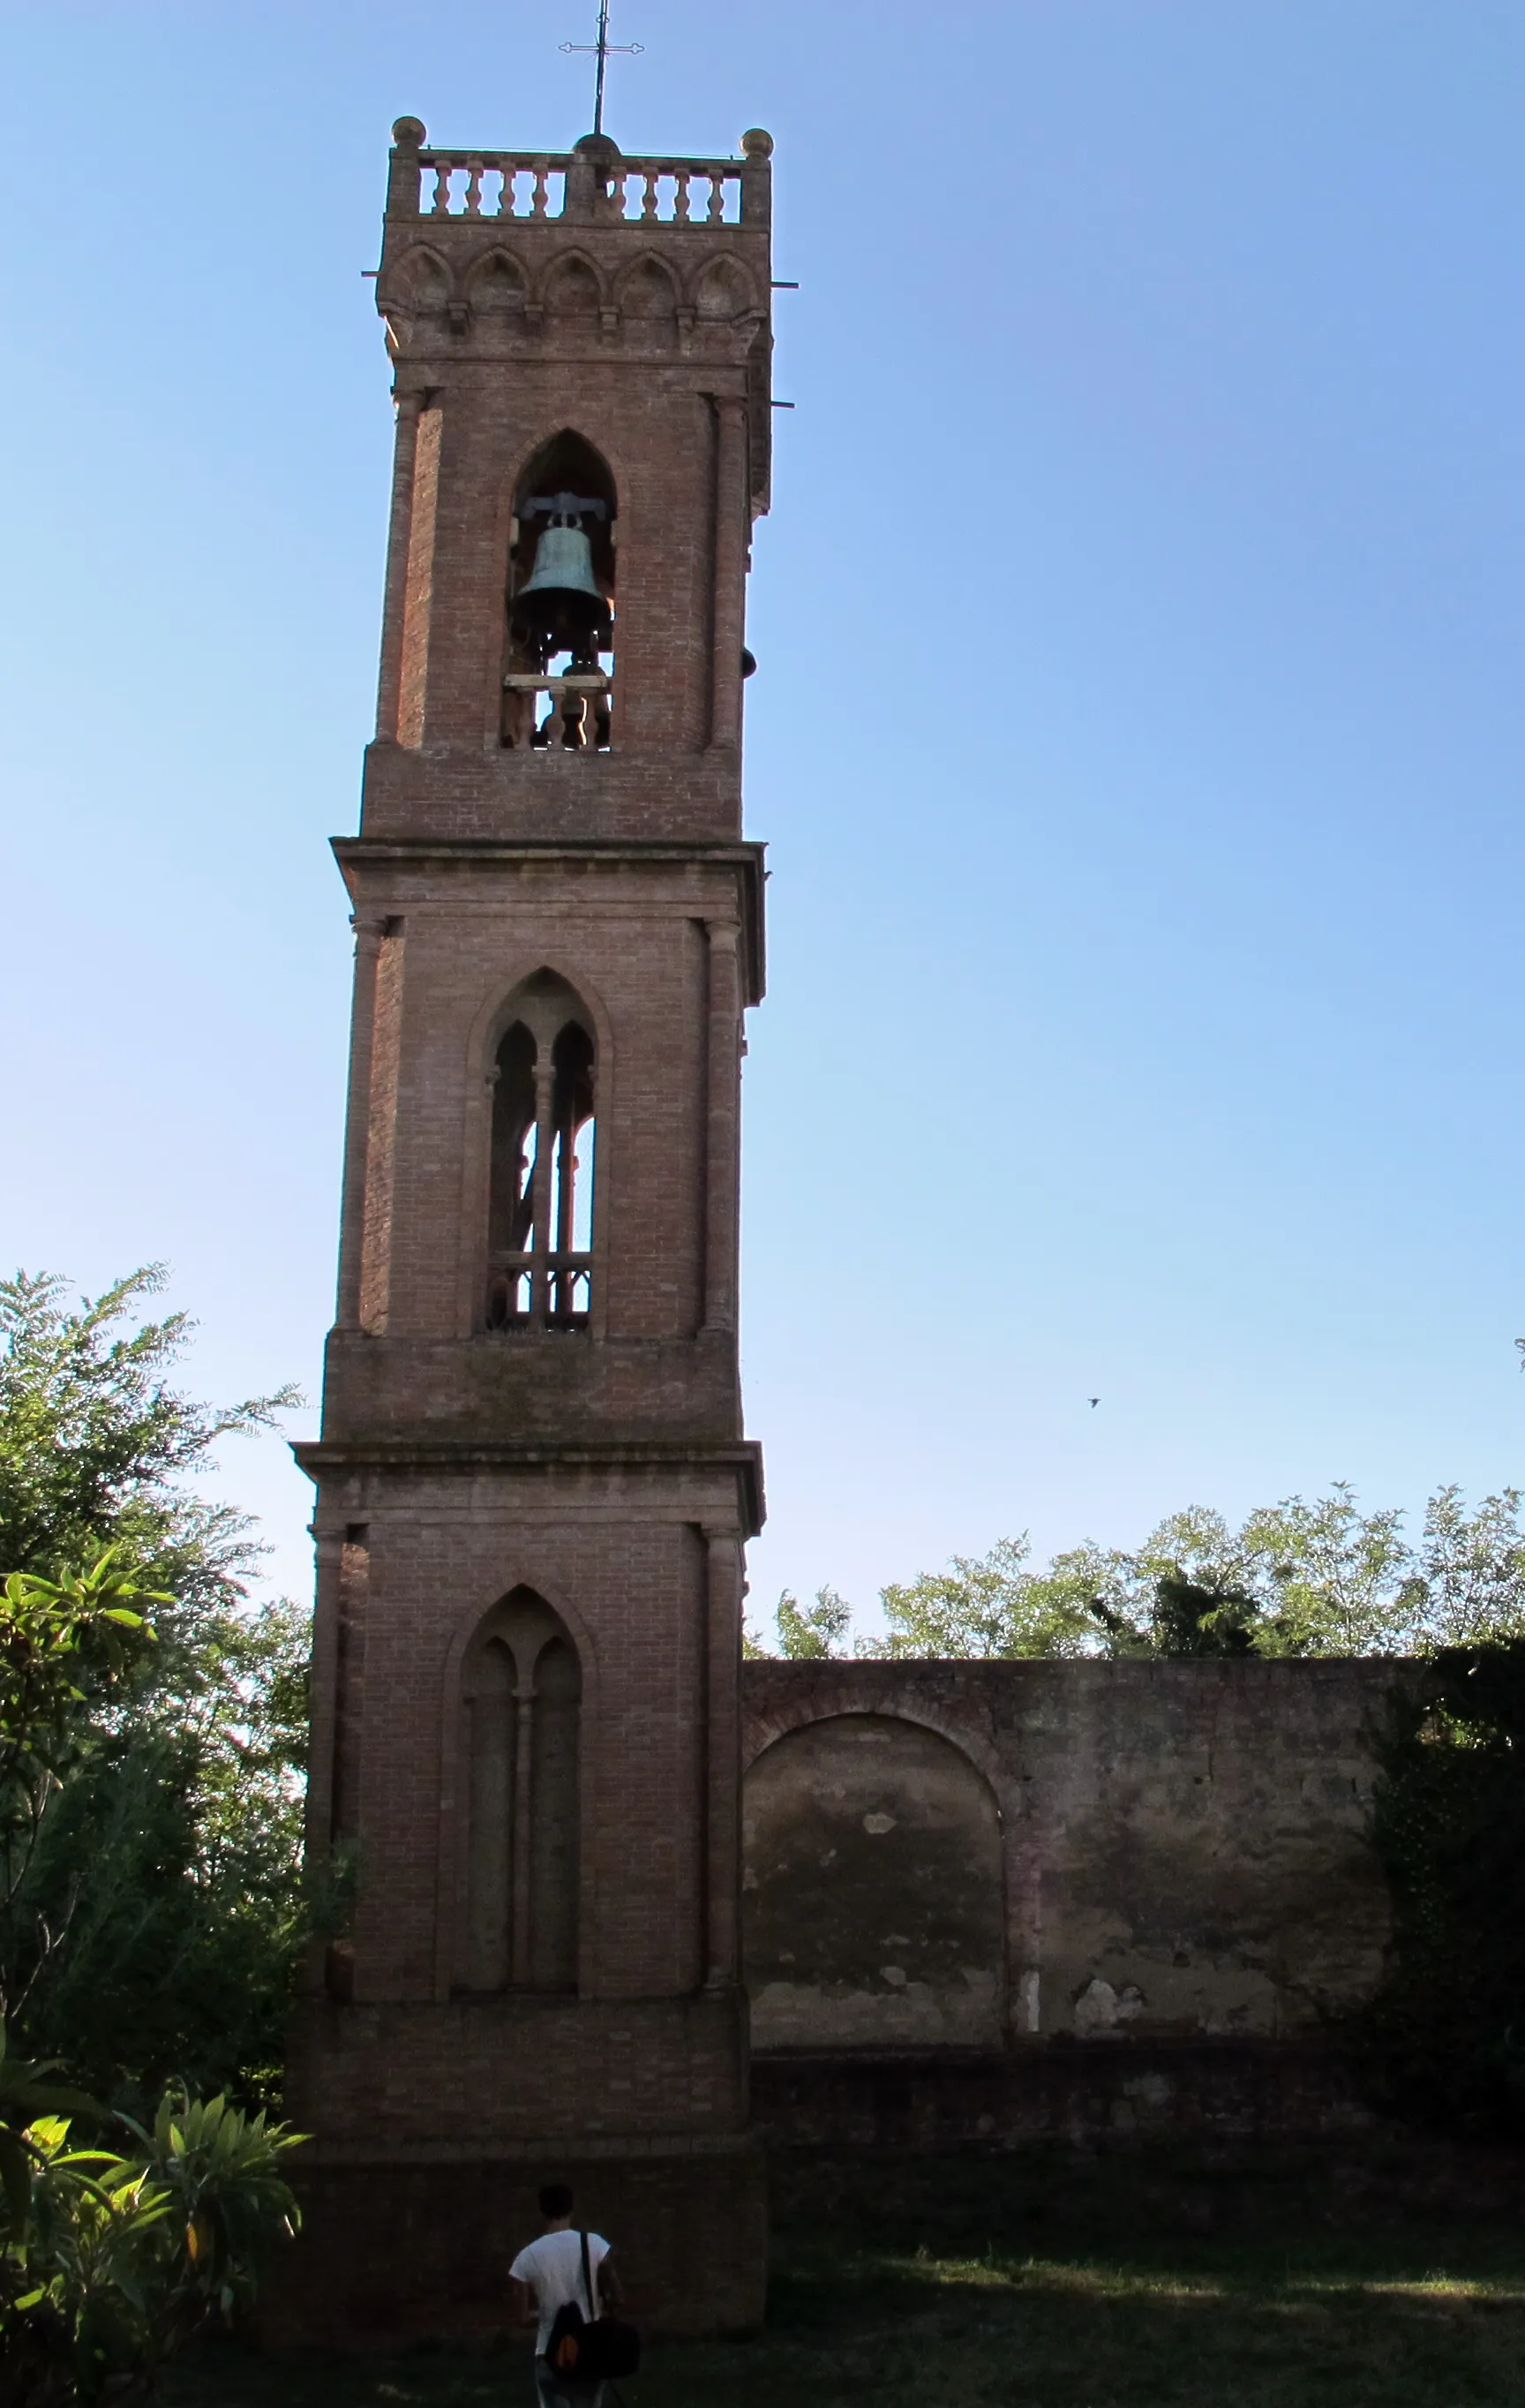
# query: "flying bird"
{"points": [[1095, 1400]]}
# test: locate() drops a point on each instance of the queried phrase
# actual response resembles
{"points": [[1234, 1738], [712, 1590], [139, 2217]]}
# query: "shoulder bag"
{"points": [[592, 2348]]}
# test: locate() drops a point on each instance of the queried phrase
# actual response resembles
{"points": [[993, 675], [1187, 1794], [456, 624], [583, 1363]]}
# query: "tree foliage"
{"points": [[168, 1849], [1297, 1578], [995, 1605], [175, 1850], [1445, 2038], [1187, 1617], [66, 1650], [118, 2260], [97, 1446], [807, 1633]]}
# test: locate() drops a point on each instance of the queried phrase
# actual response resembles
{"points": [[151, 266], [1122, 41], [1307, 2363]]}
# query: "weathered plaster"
{"points": [[1164, 1849], [872, 1890]]}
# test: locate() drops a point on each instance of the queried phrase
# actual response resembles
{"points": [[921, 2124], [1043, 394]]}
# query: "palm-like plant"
{"points": [[27, 2090], [116, 2260], [221, 2174], [77, 2292]]}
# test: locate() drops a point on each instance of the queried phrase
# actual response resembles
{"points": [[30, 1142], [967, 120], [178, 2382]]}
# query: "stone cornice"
{"points": [[741, 1456], [742, 854]]}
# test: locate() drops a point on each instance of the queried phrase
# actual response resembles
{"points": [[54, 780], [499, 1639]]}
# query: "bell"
{"points": [[561, 608]]}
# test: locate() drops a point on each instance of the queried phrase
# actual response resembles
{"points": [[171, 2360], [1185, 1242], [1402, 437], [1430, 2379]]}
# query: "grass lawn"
{"points": [[947, 2286]]}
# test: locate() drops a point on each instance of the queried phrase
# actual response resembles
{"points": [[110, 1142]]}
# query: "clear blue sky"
{"points": [[1138, 733]]}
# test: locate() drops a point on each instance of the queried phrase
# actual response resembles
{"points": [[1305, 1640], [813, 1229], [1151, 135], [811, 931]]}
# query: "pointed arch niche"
{"points": [[540, 1208], [521, 1696]]}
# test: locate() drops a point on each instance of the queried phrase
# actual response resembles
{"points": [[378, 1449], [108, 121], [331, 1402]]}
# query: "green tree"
{"points": [[1471, 1566], [67, 1648], [1193, 1619], [170, 1854], [993, 1605], [97, 1446], [185, 1925], [1333, 1580], [118, 2260], [812, 1631], [1294, 1579], [1443, 2039]]}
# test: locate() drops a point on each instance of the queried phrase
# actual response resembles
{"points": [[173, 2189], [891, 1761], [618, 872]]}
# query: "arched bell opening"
{"points": [[540, 1202], [559, 664], [522, 1702]]}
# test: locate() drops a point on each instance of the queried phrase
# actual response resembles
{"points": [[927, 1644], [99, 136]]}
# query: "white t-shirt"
{"points": [[553, 2265]]}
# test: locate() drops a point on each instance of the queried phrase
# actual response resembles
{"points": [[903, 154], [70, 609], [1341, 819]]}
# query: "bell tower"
{"points": [[532, 1486]]}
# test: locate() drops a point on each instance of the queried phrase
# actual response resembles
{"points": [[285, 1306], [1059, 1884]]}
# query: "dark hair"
{"points": [[556, 2199]]}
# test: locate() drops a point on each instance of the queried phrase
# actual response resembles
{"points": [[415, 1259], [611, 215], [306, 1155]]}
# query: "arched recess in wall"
{"points": [[873, 1912], [647, 297], [522, 1697], [540, 1264], [416, 296], [496, 290], [722, 291]]}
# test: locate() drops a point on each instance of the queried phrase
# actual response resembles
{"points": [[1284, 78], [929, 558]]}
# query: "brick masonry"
{"points": [[395, 2252], [603, 1467], [985, 1902]]}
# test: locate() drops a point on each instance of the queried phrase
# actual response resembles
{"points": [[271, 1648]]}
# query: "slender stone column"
{"points": [[518, 1964], [721, 1131], [329, 1550], [357, 1126], [541, 1238], [730, 566], [394, 604], [722, 1870]]}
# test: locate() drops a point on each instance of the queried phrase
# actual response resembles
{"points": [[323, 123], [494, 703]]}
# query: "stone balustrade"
{"points": [[529, 1291], [592, 185], [579, 718], [512, 184]]}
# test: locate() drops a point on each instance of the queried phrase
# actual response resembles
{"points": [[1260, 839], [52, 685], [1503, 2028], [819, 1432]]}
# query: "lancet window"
{"points": [[558, 682], [522, 1697], [540, 1220]]}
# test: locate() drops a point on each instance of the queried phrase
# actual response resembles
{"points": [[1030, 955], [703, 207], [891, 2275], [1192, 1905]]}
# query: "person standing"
{"points": [[546, 2275]]}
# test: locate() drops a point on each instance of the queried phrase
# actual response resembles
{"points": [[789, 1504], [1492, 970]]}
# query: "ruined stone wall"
{"points": [[982, 1854]]}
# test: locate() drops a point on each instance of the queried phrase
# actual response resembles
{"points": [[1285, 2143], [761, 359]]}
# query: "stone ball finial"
{"points": [[755, 144], [410, 134], [597, 146]]}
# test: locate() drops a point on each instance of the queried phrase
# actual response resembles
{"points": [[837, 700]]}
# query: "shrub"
{"points": [[1444, 2040], [114, 2261]]}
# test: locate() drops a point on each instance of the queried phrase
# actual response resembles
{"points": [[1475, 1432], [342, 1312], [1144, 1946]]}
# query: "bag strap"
{"points": [[588, 2282]]}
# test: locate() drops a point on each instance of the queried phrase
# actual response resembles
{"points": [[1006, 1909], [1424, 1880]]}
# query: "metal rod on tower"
{"points": [[604, 49]]}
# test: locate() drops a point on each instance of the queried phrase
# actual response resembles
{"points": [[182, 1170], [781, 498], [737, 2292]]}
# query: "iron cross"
{"points": [[604, 49]]}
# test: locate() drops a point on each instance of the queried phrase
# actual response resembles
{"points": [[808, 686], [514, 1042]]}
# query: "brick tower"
{"points": [[533, 1487]]}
